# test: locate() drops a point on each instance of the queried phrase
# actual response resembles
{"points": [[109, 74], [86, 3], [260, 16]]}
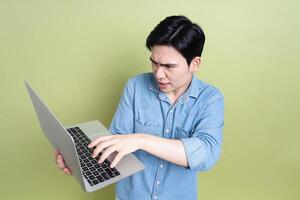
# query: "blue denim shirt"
{"points": [[196, 119]]}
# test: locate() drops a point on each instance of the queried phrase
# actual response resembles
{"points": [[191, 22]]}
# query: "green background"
{"points": [[78, 55]]}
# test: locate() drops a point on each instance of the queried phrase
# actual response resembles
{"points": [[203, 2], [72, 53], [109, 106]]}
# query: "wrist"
{"points": [[141, 140]]}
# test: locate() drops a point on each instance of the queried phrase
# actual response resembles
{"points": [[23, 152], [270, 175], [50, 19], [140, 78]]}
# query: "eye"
{"points": [[170, 66], [154, 64]]}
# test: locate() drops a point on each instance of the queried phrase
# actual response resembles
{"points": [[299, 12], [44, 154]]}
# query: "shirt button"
{"points": [[157, 182], [161, 166], [171, 110], [167, 130], [155, 197]]}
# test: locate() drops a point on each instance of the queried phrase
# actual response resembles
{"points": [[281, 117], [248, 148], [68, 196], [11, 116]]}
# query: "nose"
{"points": [[160, 73]]}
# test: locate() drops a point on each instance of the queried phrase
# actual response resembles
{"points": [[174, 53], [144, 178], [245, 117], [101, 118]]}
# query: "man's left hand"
{"points": [[121, 144]]}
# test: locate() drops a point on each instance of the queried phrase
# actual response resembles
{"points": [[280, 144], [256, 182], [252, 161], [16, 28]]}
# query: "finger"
{"points": [[67, 171], [56, 152], [106, 153], [102, 146], [117, 159], [99, 139], [60, 162]]}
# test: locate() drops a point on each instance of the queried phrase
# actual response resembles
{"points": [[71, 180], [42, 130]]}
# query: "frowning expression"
{"points": [[171, 70]]}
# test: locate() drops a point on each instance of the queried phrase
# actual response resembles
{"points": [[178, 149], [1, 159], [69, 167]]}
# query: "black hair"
{"points": [[179, 32]]}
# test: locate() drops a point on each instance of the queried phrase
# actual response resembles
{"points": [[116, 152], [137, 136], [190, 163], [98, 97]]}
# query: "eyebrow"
{"points": [[165, 64]]}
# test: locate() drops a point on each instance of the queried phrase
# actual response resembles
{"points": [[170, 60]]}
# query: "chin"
{"points": [[165, 90]]}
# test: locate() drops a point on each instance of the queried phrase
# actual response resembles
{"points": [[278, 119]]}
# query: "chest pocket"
{"points": [[152, 128]]}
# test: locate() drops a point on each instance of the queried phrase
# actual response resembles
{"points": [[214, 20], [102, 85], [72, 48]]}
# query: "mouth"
{"points": [[162, 85]]}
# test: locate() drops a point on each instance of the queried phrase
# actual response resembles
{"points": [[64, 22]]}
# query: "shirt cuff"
{"points": [[195, 152]]}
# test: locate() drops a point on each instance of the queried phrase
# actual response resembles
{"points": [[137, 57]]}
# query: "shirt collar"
{"points": [[153, 85], [193, 90]]}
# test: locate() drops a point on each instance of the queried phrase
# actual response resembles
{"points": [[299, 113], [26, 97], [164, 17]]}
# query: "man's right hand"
{"points": [[61, 163]]}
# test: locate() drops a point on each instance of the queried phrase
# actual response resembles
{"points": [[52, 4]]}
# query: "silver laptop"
{"points": [[72, 144]]}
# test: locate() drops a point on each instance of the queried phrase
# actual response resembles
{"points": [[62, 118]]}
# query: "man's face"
{"points": [[170, 69]]}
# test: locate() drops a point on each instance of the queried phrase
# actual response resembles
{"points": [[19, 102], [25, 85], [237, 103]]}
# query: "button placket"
{"points": [[159, 178], [161, 165], [169, 122]]}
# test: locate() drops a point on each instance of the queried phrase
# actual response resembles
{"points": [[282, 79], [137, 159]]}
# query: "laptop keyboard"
{"points": [[93, 171]]}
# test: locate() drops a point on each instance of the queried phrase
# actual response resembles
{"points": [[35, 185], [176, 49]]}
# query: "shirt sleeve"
{"points": [[204, 146], [122, 122]]}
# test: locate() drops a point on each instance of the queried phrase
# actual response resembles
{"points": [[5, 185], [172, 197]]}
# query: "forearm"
{"points": [[171, 150]]}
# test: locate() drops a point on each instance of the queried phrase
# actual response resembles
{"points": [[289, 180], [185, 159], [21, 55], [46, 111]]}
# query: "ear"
{"points": [[195, 63]]}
